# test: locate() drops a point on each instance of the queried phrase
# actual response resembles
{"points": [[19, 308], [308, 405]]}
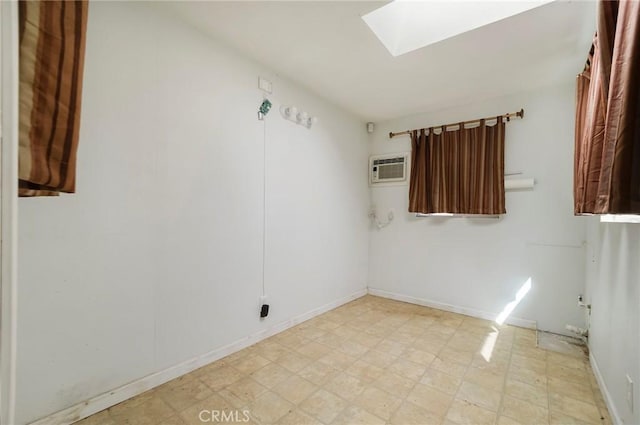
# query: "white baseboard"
{"points": [[523, 323], [118, 395], [615, 417]]}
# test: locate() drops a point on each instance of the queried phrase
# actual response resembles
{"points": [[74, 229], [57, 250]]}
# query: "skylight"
{"points": [[406, 25]]}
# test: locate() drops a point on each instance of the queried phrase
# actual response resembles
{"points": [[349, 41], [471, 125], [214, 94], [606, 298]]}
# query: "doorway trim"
{"points": [[9, 49]]}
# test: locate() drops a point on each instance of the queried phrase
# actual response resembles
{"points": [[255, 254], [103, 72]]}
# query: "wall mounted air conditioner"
{"points": [[388, 169]]}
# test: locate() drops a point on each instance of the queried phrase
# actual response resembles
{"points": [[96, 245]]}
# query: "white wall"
{"points": [[480, 264], [157, 258], [613, 270]]}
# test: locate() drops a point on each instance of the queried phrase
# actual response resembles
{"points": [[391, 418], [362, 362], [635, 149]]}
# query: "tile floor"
{"points": [[376, 361]]}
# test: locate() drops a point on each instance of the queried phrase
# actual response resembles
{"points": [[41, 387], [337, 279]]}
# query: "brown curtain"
{"points": [[589, 130], [607, 144], [458, 172], [52, 44]]}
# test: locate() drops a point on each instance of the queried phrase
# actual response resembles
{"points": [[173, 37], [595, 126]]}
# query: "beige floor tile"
{"points": [[313, 350], [174, 420], [294, 362], [326, 324], [132, 402], [480, 396], [524, 412], [269, 407], [533, 394], [503, 345], [355, 415], [446, 325], [391, 347], [505, 420], [183, 394], [295, 389], [271, 375], [527, 335], [407, 369], [566, 360], [399, 338], [318, 373], [559, 418], [586, 412], [410, 414], [332, 340], [378, 402], [527, 376], [430, 399], [221, 377], [364, 371], [346, 386], [368, 341], [353, 348], [453, 322], [242, 392], [101, 418], [394, 384], [410, 327], [418, 356], [378, 331], [215, 403], [468, 340], [498, 364], [250, 363], [323, 406], [490, 379], [375, 360], [291, 339], [337, 360], [524, 362], [298, 417], [464, 413], [270, 350], [458, 355], [149, 412], [448, 366], [441, 381], [530, 351], [430, 343], [312, 333], [233, 357], [346, 332], [567, 373], [378, 358]]}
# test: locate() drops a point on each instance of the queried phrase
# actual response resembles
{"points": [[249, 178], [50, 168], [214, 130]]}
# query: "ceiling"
{"points": [[327, 47]]}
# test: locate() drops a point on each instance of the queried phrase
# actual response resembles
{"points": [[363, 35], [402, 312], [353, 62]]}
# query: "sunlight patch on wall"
{"points": [[522, 292]]}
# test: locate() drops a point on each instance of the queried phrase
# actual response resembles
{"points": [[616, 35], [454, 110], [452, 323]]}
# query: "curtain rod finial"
{"points": [[521, 113]]}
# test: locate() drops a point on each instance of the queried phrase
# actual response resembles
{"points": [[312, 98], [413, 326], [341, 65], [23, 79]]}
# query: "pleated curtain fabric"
{"points": [[52, 46], [459, 171], [607, 143], [589, 134]]}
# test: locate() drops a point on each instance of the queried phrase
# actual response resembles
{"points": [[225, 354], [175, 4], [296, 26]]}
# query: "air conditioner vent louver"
{"points": [[390, 168]]}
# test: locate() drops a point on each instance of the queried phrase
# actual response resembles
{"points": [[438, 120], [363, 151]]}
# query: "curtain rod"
{"points": [[519, 114]]}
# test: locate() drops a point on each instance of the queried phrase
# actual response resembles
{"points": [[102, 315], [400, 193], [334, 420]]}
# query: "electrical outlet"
{"points": [[264, 307], [630, 393]]}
